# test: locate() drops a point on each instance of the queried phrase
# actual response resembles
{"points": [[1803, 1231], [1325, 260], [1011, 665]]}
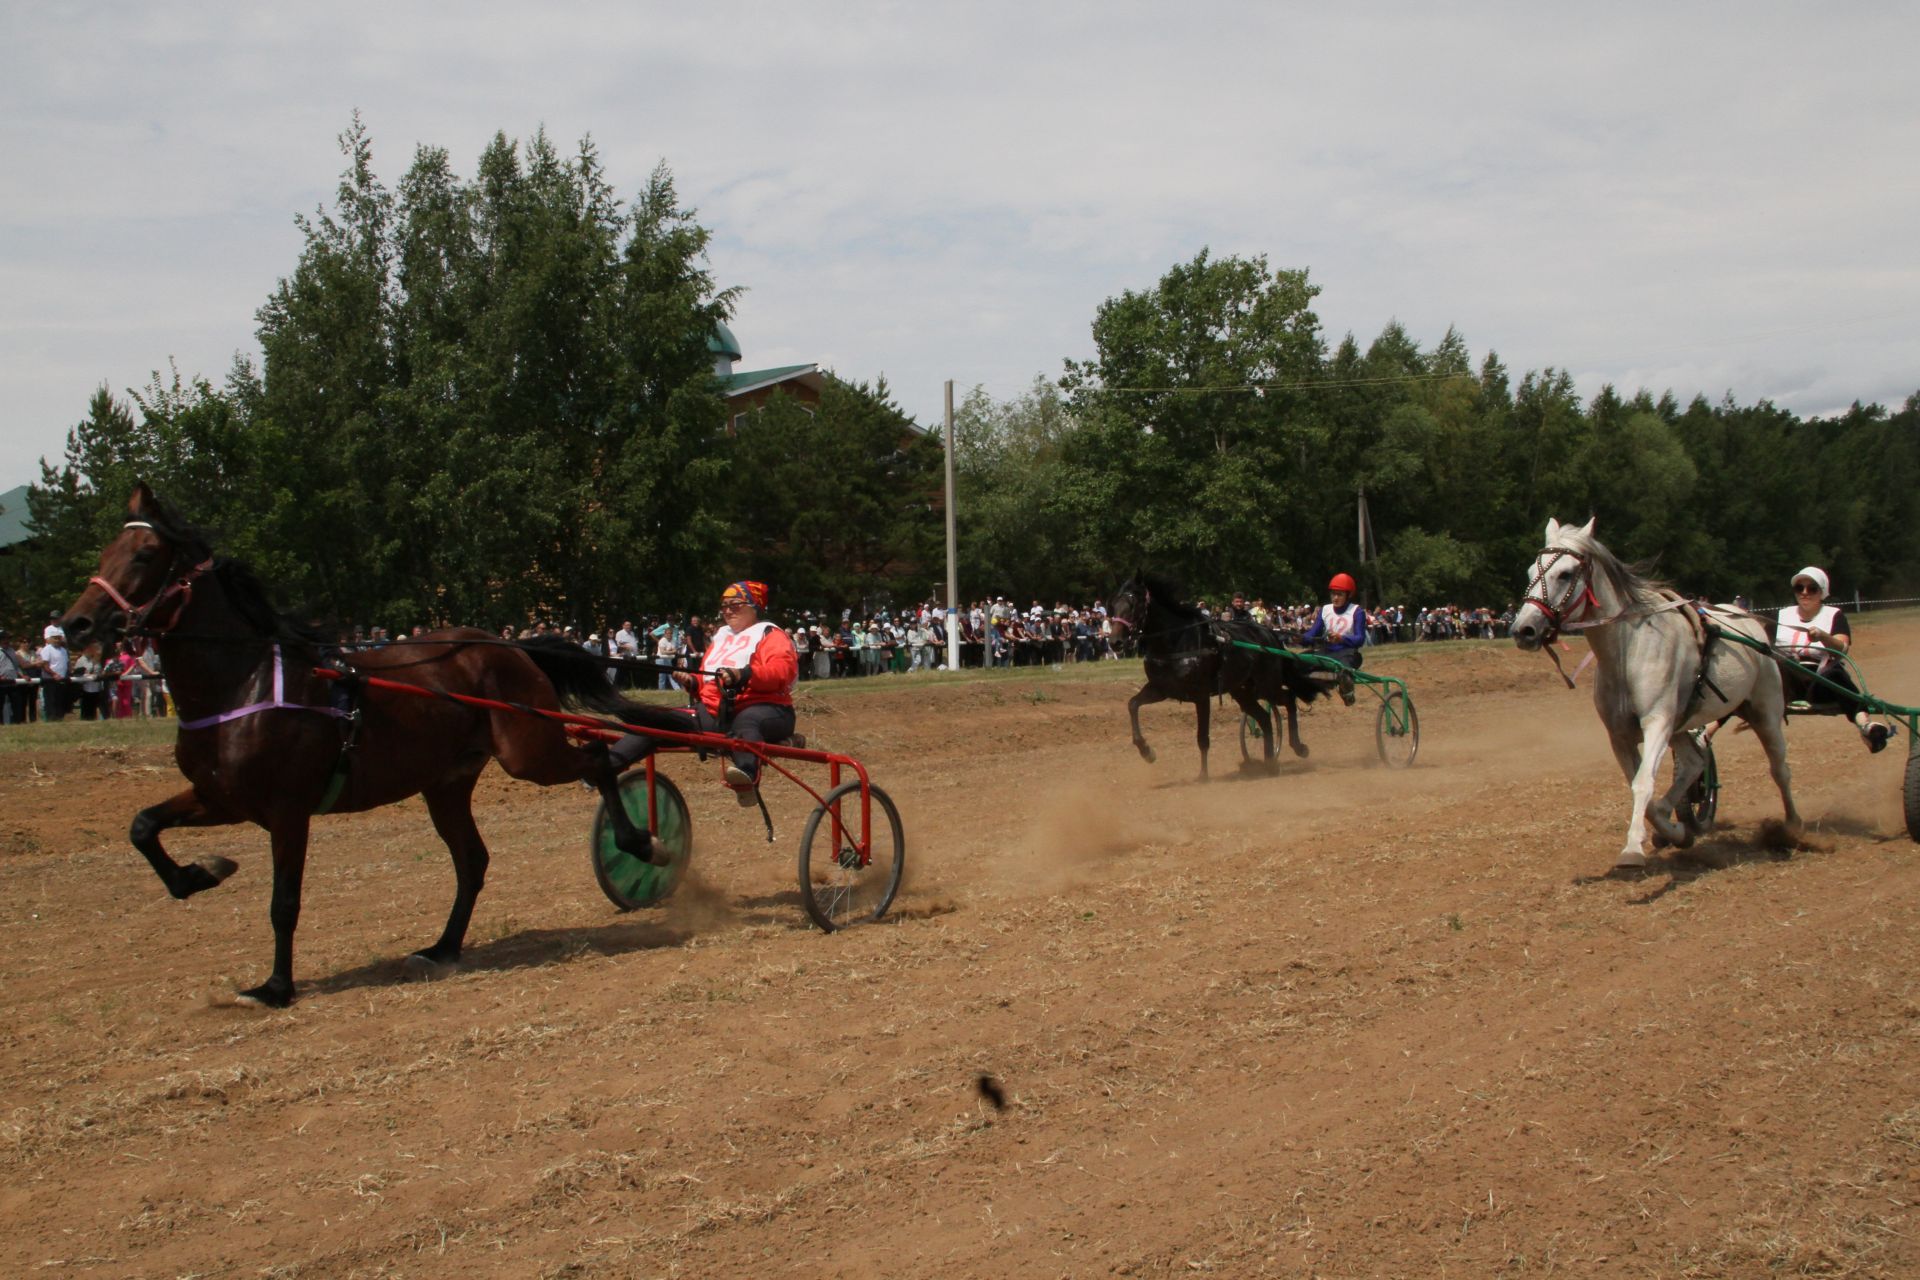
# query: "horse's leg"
{"points": [[186, 809], [628, 836], [450, 804], [289, 869], [1147, 695], [1689, 762], [1255, 710], [1202, 722], [540, 754], [1655, 730], [1293, 726], [1626, 752], [1772, 732]]}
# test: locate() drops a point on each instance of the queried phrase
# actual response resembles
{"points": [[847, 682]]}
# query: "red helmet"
{"points": [[1342, 582]]}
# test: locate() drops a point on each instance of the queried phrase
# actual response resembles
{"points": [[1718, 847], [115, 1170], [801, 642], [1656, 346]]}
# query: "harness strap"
{"points": [[1697, 621], [336, 783], [276, 703]]}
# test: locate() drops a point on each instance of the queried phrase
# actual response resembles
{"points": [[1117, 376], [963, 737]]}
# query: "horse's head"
{"points": [[1128, 605], [145, 579], [1559, 585]]}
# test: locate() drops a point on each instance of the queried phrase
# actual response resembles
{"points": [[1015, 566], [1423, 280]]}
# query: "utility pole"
{"points": [[953, 550], [1368, 551]]}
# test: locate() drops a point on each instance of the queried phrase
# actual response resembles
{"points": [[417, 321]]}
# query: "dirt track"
{"points": [[1343, 1022]]}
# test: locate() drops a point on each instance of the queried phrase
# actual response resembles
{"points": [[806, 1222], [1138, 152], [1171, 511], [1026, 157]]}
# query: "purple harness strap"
{"points": [[278, 703]]}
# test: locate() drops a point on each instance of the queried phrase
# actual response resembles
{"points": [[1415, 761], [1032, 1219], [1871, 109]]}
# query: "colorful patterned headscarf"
{"points": [[753, 593]]}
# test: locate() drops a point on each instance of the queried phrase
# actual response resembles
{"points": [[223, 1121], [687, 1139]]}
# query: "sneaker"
{"points": [[1877, 735], [1800, 704], [744, 788]]}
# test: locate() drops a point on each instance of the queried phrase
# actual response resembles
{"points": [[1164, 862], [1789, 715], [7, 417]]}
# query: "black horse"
{"points": [[1190, 658]]}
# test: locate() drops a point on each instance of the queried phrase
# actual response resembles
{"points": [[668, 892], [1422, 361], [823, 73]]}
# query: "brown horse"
{"points": [[261, 741]]}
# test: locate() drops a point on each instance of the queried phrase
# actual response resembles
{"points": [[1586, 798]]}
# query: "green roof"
{"points": [[13, 516], [764, 377]]}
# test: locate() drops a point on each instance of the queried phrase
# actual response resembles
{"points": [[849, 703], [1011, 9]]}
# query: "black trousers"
{"points": [[1802, 687], [761, 722]]}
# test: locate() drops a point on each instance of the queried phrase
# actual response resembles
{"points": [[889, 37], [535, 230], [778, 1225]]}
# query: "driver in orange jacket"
{"points": [[748, 662]]}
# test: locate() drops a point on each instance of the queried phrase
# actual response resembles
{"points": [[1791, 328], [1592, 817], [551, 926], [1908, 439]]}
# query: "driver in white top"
{"points": [[1814, 633]]}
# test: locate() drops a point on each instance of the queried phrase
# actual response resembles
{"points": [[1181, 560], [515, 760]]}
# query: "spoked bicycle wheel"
{"points": [[1252, 746], [838, 885], [1703, 797], [627, 881], [1396, 733]]}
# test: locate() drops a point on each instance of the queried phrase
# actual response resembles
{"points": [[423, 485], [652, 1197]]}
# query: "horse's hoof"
{"points": [[1660, 840], [267, 995], [1147, 753], [648, 850], [1300, 749], [201, 874], [216, 866], [421, 967], [1630, 860]]}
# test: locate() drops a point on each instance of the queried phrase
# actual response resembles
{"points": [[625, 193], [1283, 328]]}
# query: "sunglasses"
{"points": [[1805, 588]]}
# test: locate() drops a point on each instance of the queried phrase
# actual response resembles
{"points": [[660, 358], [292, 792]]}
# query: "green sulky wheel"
{"points": [[1396, 733], [1252, 741], [1910, 796], [626, 880], [1702, 800]]}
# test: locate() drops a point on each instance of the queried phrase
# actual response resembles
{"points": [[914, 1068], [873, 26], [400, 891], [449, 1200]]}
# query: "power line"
{"points": [[1261, 388]]}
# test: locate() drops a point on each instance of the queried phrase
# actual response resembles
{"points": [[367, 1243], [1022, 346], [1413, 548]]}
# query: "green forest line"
{"points": [[489, 400]]}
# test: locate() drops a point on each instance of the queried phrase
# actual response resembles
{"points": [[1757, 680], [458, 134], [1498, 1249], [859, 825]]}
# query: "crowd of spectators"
{"points": [[49, 681], [45, 680], [994, 632]]}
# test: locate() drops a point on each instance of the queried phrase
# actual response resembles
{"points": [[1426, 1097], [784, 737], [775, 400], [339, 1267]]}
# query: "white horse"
{"points": [[1661, 671]]}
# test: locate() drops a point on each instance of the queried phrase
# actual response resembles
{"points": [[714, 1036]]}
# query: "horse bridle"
{"points": [[1579, 591], [1145, 598], [140, 617]]}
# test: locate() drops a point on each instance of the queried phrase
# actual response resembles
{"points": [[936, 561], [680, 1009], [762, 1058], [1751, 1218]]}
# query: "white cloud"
{"points": [[1701, 199]]}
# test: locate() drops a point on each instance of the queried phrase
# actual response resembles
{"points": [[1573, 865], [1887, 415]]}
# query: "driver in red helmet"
{"points": [[1338, 630]]}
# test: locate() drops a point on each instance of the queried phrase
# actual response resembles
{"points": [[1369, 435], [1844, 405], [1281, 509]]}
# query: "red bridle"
{"points": [[140, 618]]}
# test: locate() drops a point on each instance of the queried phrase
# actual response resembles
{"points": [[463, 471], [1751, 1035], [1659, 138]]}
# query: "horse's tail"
{"points": [[580, 679]]}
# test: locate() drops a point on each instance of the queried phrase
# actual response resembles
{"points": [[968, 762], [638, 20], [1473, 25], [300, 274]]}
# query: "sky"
{"points": [[1711, 199]]}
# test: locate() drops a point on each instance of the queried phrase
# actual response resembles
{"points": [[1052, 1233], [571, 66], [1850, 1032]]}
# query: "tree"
{"points": [[1190, 412], [837, 504]]}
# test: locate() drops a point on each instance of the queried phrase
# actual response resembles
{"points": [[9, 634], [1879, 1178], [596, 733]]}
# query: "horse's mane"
{"points": [[1632, 582], [245, 591], [1168, 595], [183, 537], [250, 600]]}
